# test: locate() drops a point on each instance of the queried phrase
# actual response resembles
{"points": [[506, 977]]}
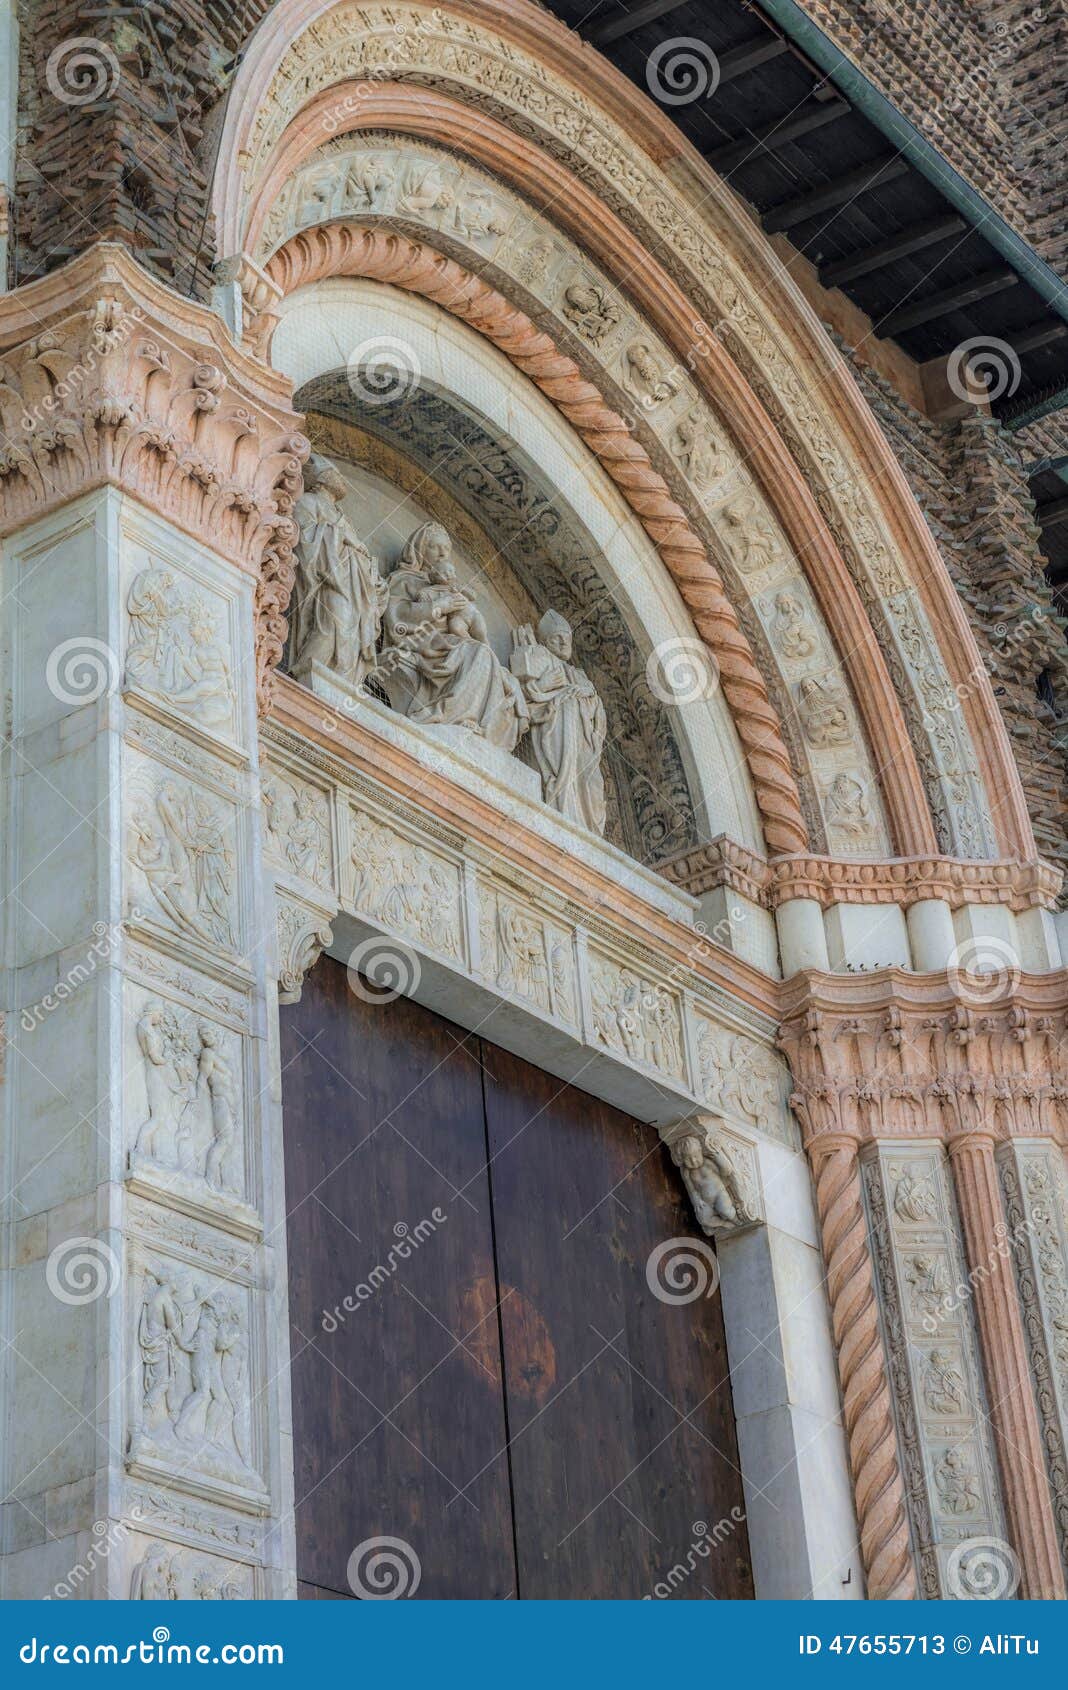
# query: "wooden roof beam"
{"points": [[941, 304], [811, 117], [872, 175], [878, 257]]}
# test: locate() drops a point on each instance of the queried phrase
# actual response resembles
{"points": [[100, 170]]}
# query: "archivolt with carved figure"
{"points": [[564, 902]]}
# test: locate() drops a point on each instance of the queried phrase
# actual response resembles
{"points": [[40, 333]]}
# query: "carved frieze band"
{"points": [[339, 843], [827, 880]]}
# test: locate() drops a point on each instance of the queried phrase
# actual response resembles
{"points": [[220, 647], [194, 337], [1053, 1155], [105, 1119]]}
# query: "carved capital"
{"points": [[107, 378], [900, 1055], [303, 935], [719, 1170], [910, 880]]}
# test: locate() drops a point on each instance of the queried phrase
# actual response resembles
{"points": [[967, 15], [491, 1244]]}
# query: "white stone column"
{"points": [[802, 940], [145, 1383], [801, 1520]]}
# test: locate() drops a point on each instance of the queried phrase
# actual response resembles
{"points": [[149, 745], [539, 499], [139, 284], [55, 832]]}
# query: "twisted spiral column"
{"points": [[877, 1480], [345, 249]]}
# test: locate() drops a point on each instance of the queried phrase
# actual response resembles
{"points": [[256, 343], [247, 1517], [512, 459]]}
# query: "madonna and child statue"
{"points": [[419, 635]]}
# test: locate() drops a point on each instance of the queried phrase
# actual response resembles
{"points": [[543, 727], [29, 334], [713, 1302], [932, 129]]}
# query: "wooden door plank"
{"points": [[397, 1425], [623, 1449]]}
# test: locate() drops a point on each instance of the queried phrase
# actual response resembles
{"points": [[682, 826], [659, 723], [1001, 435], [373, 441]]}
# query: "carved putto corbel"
{"points": [[719, 1172]]}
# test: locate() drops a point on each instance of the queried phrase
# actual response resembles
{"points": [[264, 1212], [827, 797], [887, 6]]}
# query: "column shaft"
{"points": [[1012, 1404]]}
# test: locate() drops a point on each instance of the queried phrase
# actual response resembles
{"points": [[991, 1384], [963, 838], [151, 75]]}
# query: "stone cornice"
{"points": [[107, 377], [827, 880], [900, 1055]]}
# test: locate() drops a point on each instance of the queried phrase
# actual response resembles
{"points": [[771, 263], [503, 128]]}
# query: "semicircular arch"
{"points": [[904, 587]]}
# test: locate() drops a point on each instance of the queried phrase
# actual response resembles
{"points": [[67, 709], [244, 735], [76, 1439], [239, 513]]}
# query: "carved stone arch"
{"points": [[525, 69], [525, 532], [338, 250]]}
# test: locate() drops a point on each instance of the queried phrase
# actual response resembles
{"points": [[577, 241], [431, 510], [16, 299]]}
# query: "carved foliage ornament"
{"points": [[142, 392]]}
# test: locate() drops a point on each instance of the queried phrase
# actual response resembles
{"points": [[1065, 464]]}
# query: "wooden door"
{"points": [[501, 1392]]}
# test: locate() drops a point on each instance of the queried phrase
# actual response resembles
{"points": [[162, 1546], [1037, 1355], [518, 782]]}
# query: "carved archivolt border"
{"points": [[345, 249], [727, 268]]}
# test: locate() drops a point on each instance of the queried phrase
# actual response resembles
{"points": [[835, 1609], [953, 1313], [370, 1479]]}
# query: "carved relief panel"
{"points": [[1036, 1203], [185, 1097], [178, 649], [297, 826], [741, 1080], [191, 1415], [166, 1572], [406, 887], [929, 1322], [182, 850], [526, 956], [635, 1016]]}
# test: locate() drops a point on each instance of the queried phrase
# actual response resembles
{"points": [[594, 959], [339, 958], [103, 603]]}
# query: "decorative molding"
{"points": [[909, 880], [108, 378], [721, 862], [904, 881], [341, 249], [900, 1055]]}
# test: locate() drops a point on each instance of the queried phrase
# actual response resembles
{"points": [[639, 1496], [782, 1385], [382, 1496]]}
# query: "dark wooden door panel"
{"points": [[398, 1415], [509, 1390], [621, 1422]]}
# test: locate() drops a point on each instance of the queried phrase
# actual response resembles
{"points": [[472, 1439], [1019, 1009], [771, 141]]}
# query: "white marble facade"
{"points": [[144, 1164]]}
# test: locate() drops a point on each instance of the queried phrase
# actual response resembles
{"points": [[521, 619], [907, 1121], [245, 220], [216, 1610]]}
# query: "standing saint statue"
{"points": [[568, 725], [339, 596], [438, 665]]}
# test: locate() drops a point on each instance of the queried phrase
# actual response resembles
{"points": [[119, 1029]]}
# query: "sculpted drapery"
{"points": [[339, 596], [568, 725], [436, 641]]}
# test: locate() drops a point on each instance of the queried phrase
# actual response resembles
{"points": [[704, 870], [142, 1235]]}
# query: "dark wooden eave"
{"points": [[815, 167]]}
